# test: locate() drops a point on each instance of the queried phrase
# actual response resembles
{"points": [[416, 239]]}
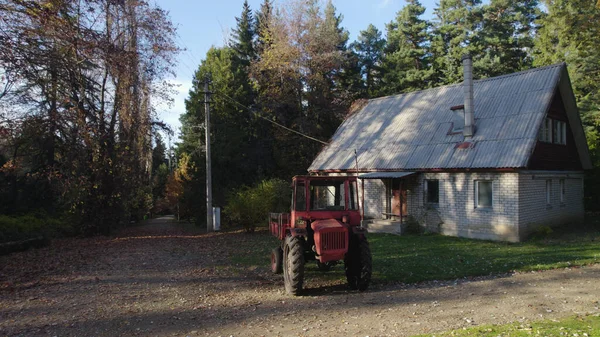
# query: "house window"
{"points": [[432, 191], [483, 193], [562, 190], [548, 191], [553, 131]]}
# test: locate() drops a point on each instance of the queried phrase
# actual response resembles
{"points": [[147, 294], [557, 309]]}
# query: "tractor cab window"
{"points": [[327, 195], [300, 199], [352, 198]]}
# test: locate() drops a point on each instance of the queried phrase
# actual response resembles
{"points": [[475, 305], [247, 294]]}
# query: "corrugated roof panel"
{"points": [[420, 156], [534, 122], [399, 131], [487, 154], [441, 133], [425, 134], [401, 153], [462, 158], [488, 128], [441, 155], [508, 105]]}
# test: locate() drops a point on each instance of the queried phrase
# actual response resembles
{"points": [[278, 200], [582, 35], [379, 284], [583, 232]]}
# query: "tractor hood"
{"points": [[319, 225]]}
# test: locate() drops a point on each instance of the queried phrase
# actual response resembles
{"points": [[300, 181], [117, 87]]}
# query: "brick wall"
{"points": [[535, 211], [456, 213], [375, 198]]}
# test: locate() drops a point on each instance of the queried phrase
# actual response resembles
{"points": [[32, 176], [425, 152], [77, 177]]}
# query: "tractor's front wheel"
{"points": [[358, 264], [277, 260], [293, 265]]}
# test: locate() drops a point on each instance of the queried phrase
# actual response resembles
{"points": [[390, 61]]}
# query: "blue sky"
{"points": [[202, 24]]}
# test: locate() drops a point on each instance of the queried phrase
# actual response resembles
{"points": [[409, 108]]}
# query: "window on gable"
{"points": [[432, 191], [483, 194], [553, 131], [548, 137]]}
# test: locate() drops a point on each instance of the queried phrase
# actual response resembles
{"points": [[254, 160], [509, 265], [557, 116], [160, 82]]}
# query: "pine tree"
{"points": [[506, 37], [406, 60], [570, 32], [369, 50], [262, 26], [455, 33]]}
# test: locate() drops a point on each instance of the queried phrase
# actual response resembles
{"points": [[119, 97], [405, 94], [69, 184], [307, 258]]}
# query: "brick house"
{"points": [[489, 159]]}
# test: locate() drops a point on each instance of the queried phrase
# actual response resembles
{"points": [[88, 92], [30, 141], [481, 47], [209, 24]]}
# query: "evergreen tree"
{"points": [[369, 50], [455, 33], [233, 137], [262, 26], [406, 59], [242, 40], [570, 32], [506, 37]]}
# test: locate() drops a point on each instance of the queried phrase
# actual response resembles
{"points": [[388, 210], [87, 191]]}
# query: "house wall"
{"points": [[533, 206], [456, 213], [375, 198]]}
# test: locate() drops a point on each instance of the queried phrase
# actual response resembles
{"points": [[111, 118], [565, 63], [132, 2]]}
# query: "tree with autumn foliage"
{"points": [[84, 73]]}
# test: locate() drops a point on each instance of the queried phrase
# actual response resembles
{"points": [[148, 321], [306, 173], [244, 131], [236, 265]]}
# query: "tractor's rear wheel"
{"points": [[293, 265], [277, 260], [358, 264]]}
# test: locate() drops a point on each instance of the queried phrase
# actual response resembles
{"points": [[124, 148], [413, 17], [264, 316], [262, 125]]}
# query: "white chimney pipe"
{"points": [[469, 128]]}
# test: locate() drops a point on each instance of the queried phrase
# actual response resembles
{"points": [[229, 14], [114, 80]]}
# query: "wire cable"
{"points": [[271, 121]]}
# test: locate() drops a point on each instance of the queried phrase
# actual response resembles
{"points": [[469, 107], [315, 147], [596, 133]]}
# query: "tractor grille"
{"points": [[333, 241]]}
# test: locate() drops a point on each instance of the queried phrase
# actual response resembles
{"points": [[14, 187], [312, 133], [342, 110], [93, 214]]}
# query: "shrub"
{"points": [[251, 206], [32, 226]]}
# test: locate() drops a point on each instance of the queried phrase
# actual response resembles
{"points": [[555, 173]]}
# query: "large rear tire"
{"points": [[293, 265], [358, 264], [277, 260]]}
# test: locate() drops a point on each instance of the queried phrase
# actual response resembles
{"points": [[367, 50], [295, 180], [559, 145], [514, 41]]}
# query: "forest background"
{"points": [[82, 149]]}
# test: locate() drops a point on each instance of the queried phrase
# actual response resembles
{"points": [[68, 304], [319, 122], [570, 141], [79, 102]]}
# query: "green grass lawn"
{"points": [[415, 258], [576, 326], [434, 257]]}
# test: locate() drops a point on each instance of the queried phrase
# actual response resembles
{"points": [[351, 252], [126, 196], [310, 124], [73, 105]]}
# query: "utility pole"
{"points": [[209, 212]]}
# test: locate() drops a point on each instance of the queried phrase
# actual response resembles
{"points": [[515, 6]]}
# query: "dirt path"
{"points": [[157, 280]]}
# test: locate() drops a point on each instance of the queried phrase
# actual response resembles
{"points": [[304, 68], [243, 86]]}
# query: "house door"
{"points": [[398, 198]]}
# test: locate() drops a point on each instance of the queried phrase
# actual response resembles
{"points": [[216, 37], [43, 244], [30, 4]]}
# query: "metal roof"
{"points": [[411, 131], [384, 175]]}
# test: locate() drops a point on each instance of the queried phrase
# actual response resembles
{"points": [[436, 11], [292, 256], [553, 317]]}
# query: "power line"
{"points": [[270, 121]]}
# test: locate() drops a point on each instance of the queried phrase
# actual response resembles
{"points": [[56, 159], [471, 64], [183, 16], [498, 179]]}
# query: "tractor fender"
{"points": [[359, 232]]}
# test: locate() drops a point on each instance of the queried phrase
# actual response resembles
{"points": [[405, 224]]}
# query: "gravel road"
{"points": [[158, 280]]}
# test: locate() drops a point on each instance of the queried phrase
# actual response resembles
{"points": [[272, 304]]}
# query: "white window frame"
{"points": [[477, 194], [553, 131], [548, 130]]}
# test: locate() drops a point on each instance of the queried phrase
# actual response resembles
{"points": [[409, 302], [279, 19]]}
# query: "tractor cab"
{"points": [[319, 198]]}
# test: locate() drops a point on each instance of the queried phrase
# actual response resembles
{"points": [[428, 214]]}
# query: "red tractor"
{"points": [[324, 226]]}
